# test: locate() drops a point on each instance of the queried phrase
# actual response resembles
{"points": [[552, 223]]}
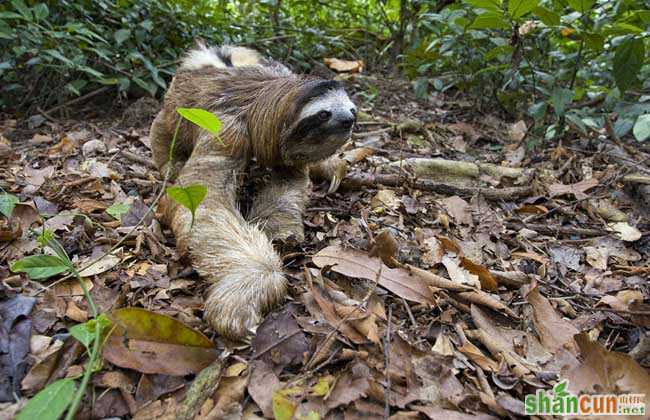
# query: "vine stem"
{"points": [[94, 351]]}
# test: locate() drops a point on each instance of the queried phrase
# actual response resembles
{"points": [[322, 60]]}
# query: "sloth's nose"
{"points": [[347, 122]]}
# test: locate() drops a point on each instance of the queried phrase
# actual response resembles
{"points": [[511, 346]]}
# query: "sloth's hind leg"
{"points": [[279, 206], [226, 250]]}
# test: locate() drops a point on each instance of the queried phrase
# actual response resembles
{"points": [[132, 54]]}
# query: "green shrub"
{"points": [[58, 49]]}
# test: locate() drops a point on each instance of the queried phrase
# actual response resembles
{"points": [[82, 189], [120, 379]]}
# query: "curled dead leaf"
{"points": [[352, 66]]}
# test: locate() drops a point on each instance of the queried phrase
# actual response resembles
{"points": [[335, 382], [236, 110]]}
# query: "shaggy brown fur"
{"points": [[258, 106]]}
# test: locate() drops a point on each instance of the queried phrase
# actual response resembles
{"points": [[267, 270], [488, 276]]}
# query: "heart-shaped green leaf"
{"points": [[7, 204], [204, 119], [189, 197]]}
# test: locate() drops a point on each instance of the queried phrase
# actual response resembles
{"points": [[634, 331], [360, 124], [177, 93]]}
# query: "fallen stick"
{"points": [[139, 159], [553, 230], [356, 182], [636, 178], [511, 278], [201, 389], [77, 100]]}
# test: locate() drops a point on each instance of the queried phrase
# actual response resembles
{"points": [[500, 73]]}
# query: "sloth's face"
{"points": [[324, 124]]}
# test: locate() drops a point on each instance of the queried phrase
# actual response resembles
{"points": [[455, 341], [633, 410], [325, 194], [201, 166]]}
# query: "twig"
{"points": [[577, 65], [352, 182], [636, 178], [408, 311], [77, 100], [90, 366], [619, 311], [139, 159], [371, 133], [387, 364], [553, 230]]}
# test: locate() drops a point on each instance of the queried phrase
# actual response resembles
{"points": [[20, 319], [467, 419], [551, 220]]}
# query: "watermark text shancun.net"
{"points": [[562, 402]]}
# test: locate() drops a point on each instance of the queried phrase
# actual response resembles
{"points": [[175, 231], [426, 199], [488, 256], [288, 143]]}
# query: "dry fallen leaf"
{"points": [[553, 331], [152, 343], [385, 198], [333, 318], [488, 282], [578, 189], [352, 384], [501, 344], [518, 131], [625, 231], [458, 274], [459, 209], [261, 386], [604, 371], [385, 247], [354, 66], [354, 263], [279, 340], [108, 262]]}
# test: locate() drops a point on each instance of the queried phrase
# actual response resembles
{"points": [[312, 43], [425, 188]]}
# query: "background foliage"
{"points": [[558, 62]]}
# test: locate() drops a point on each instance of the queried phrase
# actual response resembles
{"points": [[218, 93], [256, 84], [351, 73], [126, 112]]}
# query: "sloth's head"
{"points": [[325, 117]]}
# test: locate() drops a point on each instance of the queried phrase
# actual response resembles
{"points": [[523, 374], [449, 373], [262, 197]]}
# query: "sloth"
{"points": [[271, 118]]}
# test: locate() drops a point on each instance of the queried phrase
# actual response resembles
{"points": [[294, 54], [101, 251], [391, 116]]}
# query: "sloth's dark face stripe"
{"points": [[308, 127], [224, 58], [315, 89]]}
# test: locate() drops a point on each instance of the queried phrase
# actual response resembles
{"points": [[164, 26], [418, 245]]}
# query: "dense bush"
{"points": [[57, 49], [561, 63], [552, 56]]}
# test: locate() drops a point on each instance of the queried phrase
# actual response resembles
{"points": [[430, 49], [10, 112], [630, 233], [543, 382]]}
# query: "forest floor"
{"points": [[425, 288]]}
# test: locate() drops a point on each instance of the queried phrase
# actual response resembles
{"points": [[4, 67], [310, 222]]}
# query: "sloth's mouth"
{"points": [[336, 131]]}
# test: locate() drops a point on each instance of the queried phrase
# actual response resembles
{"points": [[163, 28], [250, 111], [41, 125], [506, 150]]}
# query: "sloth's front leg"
{"points": [[226, 250], [279, 206]]}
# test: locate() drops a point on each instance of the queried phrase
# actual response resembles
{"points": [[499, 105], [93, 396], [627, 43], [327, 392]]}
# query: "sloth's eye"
{"points": [[324, 115]]}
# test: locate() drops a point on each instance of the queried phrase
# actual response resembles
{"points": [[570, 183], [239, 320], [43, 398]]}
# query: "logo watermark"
{"points": [[561, 402]]}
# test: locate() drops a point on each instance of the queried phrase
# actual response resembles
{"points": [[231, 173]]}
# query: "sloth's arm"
{"points": [[238, 259], [332, 169], [278, 207], [160, 141]]}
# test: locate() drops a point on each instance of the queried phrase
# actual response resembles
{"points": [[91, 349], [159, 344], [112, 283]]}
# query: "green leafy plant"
{"points": [[554, 55], [61, 49], [7, 204], [642, 127], [191, 196], [118, 209], [39, 267]]}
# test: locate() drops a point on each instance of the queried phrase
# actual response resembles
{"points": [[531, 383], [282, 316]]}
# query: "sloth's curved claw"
{"points": [[335, 183], [338, 171]]}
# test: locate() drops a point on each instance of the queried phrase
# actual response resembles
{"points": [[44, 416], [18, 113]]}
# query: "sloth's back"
{"points": [[225, 80]]}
